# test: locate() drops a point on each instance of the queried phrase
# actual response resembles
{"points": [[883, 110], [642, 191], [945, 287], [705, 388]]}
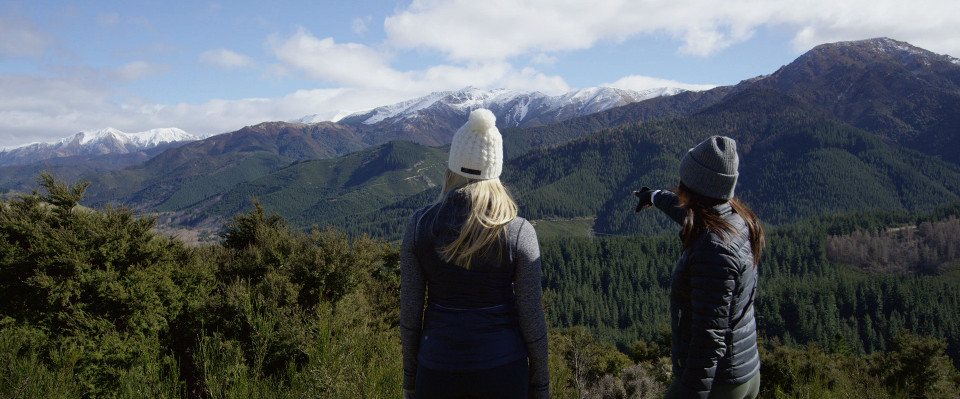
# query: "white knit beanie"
{"points": [[477, 149]]}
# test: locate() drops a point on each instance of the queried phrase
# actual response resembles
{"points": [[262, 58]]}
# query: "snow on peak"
{"points": [[141, 140], [155, 137], [907, 54], [409, 107], [886, 45], [596, 99], [512, 106], [462, 100], [94, 142], [135, 141], [85, 137], [335, 116]]}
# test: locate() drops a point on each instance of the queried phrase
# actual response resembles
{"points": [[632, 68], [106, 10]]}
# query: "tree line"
{"points": [[95, 303]]}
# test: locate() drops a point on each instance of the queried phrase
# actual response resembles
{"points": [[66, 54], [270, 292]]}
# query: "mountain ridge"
{"points": [[901, 92], [871, 138], [428, 120], [511, 106], [793, 145], [95, 142]]}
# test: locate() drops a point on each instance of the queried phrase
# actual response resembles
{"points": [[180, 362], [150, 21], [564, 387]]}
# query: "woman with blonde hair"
{"points": [[714, 284], [476, 266]]}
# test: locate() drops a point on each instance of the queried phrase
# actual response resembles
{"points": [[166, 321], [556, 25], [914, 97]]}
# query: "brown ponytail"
{"points": [[700, 220]]}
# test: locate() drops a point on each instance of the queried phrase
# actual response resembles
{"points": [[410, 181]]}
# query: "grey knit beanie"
{"points": [[710, 168]]}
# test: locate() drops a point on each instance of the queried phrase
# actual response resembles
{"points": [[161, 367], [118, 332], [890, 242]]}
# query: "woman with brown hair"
{"points": [[713, 289], [476, 265]]}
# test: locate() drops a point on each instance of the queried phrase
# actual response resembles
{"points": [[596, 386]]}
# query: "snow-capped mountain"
{"points": [[512, 107], [433, 119], [880, 85], [97, 142], [908, 54]]}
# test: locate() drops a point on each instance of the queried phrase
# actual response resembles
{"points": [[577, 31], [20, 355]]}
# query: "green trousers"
{"points": [[747, 390]]}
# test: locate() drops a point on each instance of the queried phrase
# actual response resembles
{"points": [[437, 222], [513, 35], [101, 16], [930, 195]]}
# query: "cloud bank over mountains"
{"points": [[494, 44]]}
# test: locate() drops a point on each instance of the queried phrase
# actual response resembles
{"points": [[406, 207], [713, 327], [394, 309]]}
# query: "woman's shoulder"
{"points": [[419, 212], [520, 229], [519, 220], [519, 223], [415, 216], [415, 221], [726, 249]]}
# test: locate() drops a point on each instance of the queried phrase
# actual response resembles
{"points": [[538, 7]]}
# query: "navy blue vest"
{"points": [[471, 320]]}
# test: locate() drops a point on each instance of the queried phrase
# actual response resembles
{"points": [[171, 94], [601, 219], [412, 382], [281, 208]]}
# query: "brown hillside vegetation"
{"points": [[927, 249]]}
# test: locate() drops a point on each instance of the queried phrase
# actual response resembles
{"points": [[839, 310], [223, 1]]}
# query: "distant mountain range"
{"points": [[406, 120], [430, 120], [801, 156], [847, 126], [94, 143], [513, 108]]}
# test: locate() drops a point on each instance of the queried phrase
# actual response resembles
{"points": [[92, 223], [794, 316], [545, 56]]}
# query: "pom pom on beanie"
{"points": [[477, 148]]}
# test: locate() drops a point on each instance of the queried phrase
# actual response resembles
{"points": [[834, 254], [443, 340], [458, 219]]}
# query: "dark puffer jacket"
{"points": [[486, 316], [712, 306]]}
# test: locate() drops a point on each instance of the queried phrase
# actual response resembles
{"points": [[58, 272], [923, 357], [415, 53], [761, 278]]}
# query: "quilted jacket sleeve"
{"points": [[667, 201]]}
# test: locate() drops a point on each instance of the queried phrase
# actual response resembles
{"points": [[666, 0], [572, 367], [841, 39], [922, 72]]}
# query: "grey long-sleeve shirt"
{"points": [[527, 287]]}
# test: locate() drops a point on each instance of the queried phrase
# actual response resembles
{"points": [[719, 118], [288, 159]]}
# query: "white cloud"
{"points": [[359, 25], [34, 108], [485, 42], [349, 64], [500, 29], [930, 24], [40, 108], [358, 66], [224, 58], [639, 83], [138, 70], [495, 29], [218, 116], [488, 75], [543, 59], [20, 38]]}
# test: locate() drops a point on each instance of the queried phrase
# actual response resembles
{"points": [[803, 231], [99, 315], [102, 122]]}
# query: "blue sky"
{"points": [[214, 66]]}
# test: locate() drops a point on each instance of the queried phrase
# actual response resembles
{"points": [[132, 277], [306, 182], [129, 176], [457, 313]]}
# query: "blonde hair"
{"points": [[491, 208]]}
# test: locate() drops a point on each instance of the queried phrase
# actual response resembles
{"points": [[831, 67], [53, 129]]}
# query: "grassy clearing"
{"points": [[557, 228]]}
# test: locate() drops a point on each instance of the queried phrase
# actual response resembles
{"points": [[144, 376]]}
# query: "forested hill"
{"points": [[847, 126], [796, 163], [811, 292], [518, 141], [807, 148], [97, 304], [322, 190], [903, 93], [216, 164]]}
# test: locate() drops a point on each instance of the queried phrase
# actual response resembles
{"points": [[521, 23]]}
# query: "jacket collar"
{"points": [[723, 209]]}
